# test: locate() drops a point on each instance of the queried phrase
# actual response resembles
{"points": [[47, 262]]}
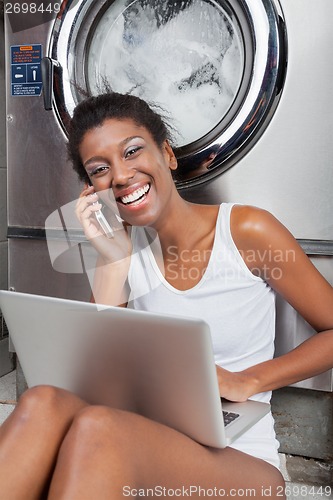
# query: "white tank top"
{"points": [[238, 306]]}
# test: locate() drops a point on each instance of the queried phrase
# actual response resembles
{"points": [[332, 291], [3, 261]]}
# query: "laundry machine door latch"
{"points": [[48, 66]]}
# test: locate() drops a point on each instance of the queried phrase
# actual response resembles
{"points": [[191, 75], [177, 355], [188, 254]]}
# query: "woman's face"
{"points": [[123, 158]]}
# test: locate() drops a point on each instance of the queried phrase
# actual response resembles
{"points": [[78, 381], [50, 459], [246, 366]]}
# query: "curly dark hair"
{"points": [[93, 111]]}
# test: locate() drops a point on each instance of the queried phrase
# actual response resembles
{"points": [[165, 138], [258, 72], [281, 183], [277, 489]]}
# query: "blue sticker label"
{"points": [[26, 77]]}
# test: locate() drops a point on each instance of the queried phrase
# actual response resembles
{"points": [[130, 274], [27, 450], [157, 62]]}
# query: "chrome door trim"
{"points": [[264, 73]]}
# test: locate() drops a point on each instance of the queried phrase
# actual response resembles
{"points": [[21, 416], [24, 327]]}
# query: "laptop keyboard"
{"points": [[229, 416]]}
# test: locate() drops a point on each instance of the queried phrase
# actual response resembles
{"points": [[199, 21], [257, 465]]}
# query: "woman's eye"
{"points": [[99, 170], [132, 150]]}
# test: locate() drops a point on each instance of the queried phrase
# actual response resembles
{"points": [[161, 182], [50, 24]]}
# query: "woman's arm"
{"points": [[109, 281], [110, 285], [283, 264]]}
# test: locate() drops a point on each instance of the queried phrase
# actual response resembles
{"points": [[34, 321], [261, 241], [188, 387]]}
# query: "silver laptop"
{"points": [[159, 366]]}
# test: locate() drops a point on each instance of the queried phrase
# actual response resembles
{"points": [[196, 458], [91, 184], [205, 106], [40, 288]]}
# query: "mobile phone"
{"points": [[103, 223], [107, 229]]}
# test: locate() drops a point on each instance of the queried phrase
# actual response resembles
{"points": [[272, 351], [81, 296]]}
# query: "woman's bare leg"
{"points": [[30, 439], [110, 454]]}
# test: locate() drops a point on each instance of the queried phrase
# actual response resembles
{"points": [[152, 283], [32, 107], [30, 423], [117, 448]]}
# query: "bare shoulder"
{"points": [[253, 226], [271, 252], [262, 240]]}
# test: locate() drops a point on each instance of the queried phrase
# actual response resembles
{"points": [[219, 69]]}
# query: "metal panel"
{"points": [[33, 272], [289, 171], [39, 177], [292, 329]]}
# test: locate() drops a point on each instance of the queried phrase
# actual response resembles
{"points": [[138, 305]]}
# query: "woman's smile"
{"points": [[135, 197]]}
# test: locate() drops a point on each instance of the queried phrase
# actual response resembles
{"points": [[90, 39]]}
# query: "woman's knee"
{"points": [[43, 400], [101, 425], [98, 420]]}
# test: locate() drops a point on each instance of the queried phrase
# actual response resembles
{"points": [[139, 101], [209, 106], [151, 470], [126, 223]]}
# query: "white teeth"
{"points": [[130, 198]]}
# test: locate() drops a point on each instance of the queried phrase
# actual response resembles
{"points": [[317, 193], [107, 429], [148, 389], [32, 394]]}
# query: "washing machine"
{"points": [[244, 84]]}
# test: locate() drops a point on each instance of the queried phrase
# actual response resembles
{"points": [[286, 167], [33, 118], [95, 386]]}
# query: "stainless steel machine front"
{"points": [[246, 88]]}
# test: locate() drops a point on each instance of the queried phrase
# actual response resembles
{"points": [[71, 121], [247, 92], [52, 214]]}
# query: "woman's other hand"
{"points": [[235, 386]]}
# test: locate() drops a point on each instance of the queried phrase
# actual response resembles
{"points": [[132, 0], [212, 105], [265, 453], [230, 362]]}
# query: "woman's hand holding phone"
{"points": [[108, 235]]}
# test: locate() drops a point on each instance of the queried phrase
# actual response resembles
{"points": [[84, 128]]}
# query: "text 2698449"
{"points": [[31, 7]]}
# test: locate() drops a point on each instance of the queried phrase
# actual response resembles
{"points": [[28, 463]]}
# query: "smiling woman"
{"points": [[219, 263]]}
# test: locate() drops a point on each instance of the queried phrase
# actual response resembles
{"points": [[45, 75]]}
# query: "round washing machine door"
{"points": [[214, 68]]}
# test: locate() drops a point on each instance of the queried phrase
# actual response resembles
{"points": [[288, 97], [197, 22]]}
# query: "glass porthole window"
{"points": [[186, 57]]}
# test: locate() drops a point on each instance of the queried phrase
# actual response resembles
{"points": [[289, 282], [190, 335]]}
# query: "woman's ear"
{"points": [[171, 156]]}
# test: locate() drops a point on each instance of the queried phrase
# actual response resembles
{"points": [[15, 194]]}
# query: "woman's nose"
{"points": [[121, 174]]}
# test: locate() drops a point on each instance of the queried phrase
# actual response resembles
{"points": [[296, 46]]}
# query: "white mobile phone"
{"points": [[103, 223]]}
